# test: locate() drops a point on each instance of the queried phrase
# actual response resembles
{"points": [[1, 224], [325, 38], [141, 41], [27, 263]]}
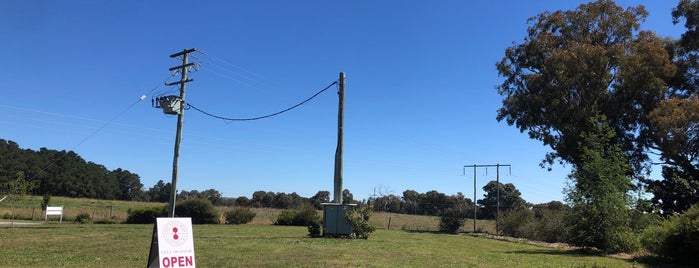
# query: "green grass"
{"points": [[95, 245], [411, 241], [29, 208]]}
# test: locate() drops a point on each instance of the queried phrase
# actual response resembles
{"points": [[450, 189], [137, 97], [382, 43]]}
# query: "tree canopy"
{"points": [[510, 199], [65, 173], [575, 65]]}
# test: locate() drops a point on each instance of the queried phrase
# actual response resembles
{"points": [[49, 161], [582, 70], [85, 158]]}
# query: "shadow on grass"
{"points": [[651, 261], [424, 232], [559, 252]]}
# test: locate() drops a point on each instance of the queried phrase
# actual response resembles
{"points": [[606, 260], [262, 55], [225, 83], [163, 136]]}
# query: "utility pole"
{"points": [[497, 177], [180, 119], [337, 198]]}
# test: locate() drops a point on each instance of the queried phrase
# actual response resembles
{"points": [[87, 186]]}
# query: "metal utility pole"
{"points": [[337, 197], [180, 119], [497, 166]]}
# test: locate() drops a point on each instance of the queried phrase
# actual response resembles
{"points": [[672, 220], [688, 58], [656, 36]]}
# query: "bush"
{"points": [[201, 210], [451, 220], [518, 223], [83, 218], [286, 217], [359, 218], [306, 216], [146, 215], [314, 228], [676, 238], [239, 215], [300, 217]]}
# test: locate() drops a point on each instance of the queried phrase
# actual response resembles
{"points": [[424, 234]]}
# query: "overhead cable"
{"points": [[189, 105]]}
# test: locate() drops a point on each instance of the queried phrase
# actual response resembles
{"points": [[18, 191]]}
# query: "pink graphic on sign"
{"points": [[175, 233]]}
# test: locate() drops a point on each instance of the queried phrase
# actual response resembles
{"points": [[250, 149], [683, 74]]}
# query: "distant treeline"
{"points": [[62, 173]]}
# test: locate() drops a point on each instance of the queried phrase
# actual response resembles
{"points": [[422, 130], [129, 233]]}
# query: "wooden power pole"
{"points": [[497, 219], [180, 119], [337, 197]]}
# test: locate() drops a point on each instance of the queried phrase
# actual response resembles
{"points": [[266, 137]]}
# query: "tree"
{"points": [[575, 65], [130, 186], [319, 198], [16, 189], [598, 193], [432, 203], [686, 50], [387, 203], [676, 125], [411, 199], [459, 201], [213, 195], [243, 201], [675, 122], [160, 192], [510, 199], [347, 197]]}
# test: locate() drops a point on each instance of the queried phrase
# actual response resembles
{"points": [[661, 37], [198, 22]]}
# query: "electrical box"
{"points": [[170, 104], [335, 221]]}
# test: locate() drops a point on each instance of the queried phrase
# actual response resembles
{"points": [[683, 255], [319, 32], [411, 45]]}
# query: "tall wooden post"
{"points": [[337, 197], [180, 120]]}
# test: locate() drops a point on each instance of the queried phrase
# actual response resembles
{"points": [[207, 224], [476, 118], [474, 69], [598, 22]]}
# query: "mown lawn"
{"points": [[120, 245]]}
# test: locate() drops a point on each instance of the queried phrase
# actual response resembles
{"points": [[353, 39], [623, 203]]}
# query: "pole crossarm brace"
{"points": [[186, 51], [181, 66], [497, 166], [180, 82]]}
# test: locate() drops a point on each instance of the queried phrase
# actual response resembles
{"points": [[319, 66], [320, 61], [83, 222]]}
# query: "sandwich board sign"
{"points": [[172, 244]]}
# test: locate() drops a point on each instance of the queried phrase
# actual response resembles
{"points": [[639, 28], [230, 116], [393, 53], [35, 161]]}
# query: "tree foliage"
{"points": [[510, 199], [160, 192], [675, 122], [574, 65], [676, 238], [62, 173], [598, 193], [199, 209]]}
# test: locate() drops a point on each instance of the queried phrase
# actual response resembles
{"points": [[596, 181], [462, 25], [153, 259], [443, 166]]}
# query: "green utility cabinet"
{"points": [[335, 221]]}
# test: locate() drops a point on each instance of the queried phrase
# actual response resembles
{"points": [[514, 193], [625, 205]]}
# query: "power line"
{"points": [[189, 105]]}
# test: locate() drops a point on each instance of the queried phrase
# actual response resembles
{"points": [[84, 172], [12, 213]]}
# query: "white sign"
{"points": [[175, 242]]}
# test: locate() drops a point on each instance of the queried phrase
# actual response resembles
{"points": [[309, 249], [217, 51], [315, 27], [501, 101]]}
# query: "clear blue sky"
{"points": [[420, 101]]}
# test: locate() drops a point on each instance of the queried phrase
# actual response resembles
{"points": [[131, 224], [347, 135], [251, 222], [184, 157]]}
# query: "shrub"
{"points": [[451, 220], [201, 210], [83, 218], [676, 238], [518, 223], [239, 215], [550, 227], [45, 201], [146, 215], [306, 216], [286, 217], [300, 217], [359, 218], [314, 228]]}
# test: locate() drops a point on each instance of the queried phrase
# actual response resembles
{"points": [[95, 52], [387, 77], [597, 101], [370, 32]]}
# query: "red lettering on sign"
{"points": [[180, 261]]}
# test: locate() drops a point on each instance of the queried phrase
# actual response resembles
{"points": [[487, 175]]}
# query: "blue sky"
{"points": [[420, 98]]}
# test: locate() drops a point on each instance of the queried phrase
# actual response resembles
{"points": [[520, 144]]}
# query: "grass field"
{"points": [[400, 241], [120, 245], [29, 209]]}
